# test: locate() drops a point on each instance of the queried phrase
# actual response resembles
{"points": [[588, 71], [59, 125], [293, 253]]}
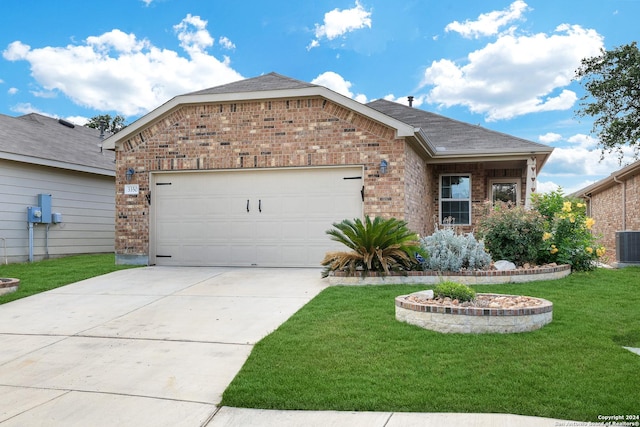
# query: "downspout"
{"points": [[589, 204], [624, 201]]}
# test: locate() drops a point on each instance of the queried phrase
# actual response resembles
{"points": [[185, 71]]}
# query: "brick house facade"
{"points": [[273, 123], [614, 204]]}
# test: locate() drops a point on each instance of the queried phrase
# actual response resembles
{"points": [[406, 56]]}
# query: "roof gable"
{"points": [[37, 139], [437, 136]]}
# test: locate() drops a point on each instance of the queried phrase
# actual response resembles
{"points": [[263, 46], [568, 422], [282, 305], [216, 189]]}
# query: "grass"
{"points": [[345, 351], [49, 274]]}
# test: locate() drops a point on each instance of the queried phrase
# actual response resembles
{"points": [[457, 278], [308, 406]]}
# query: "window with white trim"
{"points": [[505, 190], [455, 199]]}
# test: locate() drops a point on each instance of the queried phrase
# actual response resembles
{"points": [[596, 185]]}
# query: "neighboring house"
{"points": [[614, 204], [42, 155], [254, 172]]}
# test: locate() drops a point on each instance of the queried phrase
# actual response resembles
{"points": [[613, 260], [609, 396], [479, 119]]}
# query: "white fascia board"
{"points": [[402, 129], [57, 164], [459, 157]]}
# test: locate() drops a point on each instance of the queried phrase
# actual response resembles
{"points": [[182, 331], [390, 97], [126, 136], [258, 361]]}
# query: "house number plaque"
{"points": [[131, 189]]}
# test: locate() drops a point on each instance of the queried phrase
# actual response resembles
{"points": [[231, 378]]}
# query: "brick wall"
{"points": [[267, 134], [418, 182], [606, 208]]}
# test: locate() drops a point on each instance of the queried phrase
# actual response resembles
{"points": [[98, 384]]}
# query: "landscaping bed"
{"points": [[482, 277]]}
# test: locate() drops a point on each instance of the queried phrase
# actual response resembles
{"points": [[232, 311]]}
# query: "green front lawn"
{"points": [[345, 351], [49, 274]]}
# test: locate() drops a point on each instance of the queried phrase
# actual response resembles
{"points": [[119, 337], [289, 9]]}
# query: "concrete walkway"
{"points": [[157, 346]]}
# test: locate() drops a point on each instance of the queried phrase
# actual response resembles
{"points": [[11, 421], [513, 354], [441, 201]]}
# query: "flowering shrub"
{"points": [[448, 251], [512, 233], [567, 238]]}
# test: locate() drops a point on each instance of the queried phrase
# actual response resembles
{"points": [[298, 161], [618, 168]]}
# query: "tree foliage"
{"points": [[107, 123], [612, 81]]}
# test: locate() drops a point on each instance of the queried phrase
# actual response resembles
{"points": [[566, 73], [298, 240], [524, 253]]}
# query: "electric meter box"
{"points": [[34, 214], [56, 217], [44, 201]]}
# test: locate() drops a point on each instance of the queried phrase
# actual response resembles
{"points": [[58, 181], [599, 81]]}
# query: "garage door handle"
{"points": [[247, 205], [259, 205]]}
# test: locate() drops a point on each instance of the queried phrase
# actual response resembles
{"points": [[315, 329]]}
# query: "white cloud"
{"points": [[546, 186], [118, 72], [337, 83], [515, 75], [27, 108], [583, 141], [13, 91], [582, 162], [77, 120], [338, 22], [490, 23], [549, 138], [193, 35], [147, 2], [226, 43]]}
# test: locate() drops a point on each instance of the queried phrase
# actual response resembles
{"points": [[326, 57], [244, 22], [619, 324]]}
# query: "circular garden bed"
{"points": [[488, 313]]}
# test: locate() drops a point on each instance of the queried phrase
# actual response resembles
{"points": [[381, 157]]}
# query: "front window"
{"points": [[455, 199], [505, 190]]}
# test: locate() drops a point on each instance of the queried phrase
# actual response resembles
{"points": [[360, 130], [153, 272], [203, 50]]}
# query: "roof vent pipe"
{"points": [[410, 99]]}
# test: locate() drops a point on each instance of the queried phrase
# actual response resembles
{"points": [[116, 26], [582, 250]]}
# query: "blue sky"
{"points": [[505, 65]]}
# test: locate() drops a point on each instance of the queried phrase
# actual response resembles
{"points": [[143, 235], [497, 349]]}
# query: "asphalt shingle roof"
{"points": [[271, 81], [448, 135], [47, 140]]}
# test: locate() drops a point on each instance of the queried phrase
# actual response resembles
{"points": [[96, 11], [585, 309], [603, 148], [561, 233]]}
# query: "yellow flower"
{"points": [[566, 207], [547, 236], [589, 223], [589, 250], [600, 251], [572, 219], [580, 205], [553, 250]]}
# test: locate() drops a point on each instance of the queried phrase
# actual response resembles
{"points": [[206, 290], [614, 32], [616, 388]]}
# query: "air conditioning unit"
{"points": [[628, 247]]}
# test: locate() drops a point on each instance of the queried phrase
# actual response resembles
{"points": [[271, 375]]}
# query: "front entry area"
{"points": [[258, 217]]}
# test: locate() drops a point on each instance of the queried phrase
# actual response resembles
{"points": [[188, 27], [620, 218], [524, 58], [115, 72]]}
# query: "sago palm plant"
{"points": [[381, 245]]}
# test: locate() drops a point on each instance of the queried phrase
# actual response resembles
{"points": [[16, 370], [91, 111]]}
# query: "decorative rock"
{"points": [[504, 265], [428, 294]]}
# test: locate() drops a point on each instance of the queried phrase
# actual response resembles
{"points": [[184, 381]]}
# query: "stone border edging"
{"points": [[488, 277], [448, 319], [8, 285]]}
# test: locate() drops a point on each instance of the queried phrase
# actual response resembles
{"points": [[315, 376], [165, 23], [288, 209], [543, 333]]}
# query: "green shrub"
{"points": [[454, 290], [512, 233], [448, 251], [381, 245]]}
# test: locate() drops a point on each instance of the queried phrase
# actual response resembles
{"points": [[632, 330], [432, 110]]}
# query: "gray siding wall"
{"points": [[86, 202]]}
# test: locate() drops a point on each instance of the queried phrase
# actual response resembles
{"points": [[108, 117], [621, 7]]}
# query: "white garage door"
{"points": [[270, 218]]}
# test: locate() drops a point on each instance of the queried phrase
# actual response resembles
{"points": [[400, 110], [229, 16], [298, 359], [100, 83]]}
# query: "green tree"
{"points": [[612, 81], [107, 123]]}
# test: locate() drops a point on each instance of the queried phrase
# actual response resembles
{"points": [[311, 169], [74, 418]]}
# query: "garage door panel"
{"points": [[202, 218], [242, 254]]}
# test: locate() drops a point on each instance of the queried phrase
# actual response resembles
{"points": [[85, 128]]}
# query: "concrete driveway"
{"points": [[151, 346]]}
